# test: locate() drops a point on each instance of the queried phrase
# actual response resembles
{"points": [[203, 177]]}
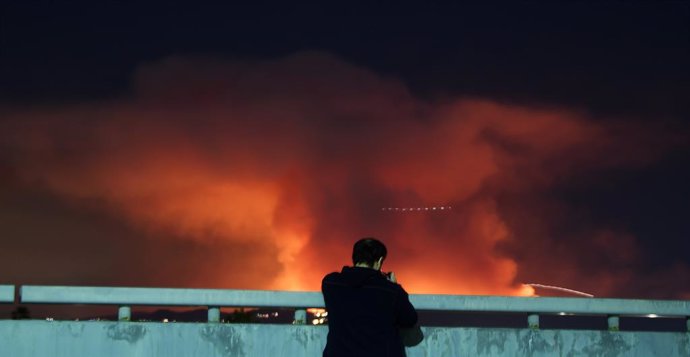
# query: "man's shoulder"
{"points": [[393, 286], [331, 276]]}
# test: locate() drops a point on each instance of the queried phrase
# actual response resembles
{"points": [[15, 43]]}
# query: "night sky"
{"points": [[249, 146]]}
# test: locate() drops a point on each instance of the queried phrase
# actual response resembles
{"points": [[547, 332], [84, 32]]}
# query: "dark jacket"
{"points": [[365, 313]]}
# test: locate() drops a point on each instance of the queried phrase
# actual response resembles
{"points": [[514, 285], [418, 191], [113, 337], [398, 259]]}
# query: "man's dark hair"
{"points": [[368, 250]]}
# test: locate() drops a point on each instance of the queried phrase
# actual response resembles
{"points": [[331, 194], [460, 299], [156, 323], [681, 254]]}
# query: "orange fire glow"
{"points": [[299, 155]]}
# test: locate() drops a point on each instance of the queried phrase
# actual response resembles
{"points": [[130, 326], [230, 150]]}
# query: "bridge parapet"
{"points": [[215, 298], [26, 338]]}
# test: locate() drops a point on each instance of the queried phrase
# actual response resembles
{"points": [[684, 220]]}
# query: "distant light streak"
{"points": [[558, 288]]}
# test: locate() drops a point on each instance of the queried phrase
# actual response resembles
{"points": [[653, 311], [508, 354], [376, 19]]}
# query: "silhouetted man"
{"points": [[366, 308]]}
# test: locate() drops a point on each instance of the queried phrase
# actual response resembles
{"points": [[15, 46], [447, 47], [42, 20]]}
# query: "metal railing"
{"points": [[214, 299]]}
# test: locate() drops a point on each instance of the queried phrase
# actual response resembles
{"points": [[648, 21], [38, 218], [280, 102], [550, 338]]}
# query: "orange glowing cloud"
{"points": [[300, 155]]}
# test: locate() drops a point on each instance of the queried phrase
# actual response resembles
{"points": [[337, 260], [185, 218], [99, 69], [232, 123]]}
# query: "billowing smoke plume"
{"points": [[263, 174]]}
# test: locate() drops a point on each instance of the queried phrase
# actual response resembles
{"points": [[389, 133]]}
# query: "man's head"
{"points": [[370, 252]]}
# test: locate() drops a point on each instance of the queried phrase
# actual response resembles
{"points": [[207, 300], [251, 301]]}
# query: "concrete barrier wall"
{"points": [[34, 338]]}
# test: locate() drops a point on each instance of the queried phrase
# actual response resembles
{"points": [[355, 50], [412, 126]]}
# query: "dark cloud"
{"points": [[609, 58]]}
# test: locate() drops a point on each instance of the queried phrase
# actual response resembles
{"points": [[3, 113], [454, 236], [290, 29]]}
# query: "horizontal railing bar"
{"points": [[6, 293], [554, 305], [289, 299], [168, 296]]}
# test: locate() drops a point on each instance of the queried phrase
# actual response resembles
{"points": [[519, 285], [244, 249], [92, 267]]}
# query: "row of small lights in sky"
{"points": [[415, 209]]}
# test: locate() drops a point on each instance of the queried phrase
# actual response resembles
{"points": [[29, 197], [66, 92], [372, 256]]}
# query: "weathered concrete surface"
{"points": [[30, 338]]}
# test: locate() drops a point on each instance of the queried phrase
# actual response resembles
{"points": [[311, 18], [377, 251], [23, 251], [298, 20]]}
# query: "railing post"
{"points": [[124, 313], [300, 317], [213, 314], [614, 323], [533, 321], [687, 323]]}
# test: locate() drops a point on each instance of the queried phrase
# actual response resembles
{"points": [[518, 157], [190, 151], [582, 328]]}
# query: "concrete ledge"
{"points": [[262, 298], [167, 296], [6, 293], [676, 308], [34, 338]]}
